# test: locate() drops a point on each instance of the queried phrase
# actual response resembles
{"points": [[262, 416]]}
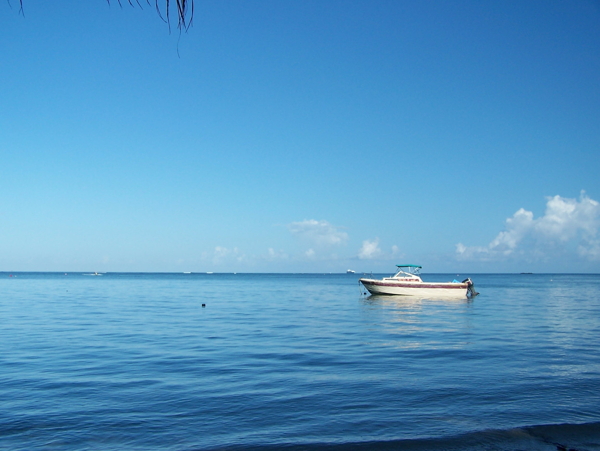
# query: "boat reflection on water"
{"points": [[426, 323], [414, 302]]}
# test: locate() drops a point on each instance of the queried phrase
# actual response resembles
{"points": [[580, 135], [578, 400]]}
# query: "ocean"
{"points": [[298, 362]]}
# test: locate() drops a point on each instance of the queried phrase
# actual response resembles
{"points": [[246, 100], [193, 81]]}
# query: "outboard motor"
{"points": [[470, 288]]}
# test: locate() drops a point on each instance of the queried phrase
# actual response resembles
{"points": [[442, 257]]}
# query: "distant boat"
{"points": [[187, 272], [407, 282], [209, 272], [350, 272], [95, 274]]}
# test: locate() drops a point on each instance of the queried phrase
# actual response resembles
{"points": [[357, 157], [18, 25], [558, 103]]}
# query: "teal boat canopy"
{"points": [[409, 266]]}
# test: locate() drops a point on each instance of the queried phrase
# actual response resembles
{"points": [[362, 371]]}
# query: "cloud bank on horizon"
{"points": [[568, 228]]}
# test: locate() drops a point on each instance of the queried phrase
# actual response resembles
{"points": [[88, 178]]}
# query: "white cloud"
{"points": [[318, 232], [591, 249], [516, 228], [564, 218], [222, 255], [272, 255], [369, 250], [566, 224]]}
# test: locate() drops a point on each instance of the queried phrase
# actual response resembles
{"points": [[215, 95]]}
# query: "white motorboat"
{"points": [[350, 271], [407, 282]]}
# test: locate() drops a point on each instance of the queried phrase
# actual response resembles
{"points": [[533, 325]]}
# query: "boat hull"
{"points": [[387, 287]]}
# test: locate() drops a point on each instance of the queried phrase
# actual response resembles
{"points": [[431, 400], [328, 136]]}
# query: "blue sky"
{"points": [[301, 136]]}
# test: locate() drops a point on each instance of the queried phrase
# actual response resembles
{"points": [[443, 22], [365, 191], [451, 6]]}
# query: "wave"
{"points": [[554, 437]]}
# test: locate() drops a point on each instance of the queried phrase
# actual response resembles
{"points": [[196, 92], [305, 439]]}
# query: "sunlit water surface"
{"points": [[135, 362]]}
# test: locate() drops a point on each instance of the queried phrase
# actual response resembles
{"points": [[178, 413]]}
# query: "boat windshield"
{"points": [[408, 270]]}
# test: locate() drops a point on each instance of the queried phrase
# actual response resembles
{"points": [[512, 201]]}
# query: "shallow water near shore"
{"points": [[301, 361]]}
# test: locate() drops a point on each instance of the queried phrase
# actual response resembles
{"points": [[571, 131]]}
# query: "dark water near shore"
{"points": [[134, 362]]}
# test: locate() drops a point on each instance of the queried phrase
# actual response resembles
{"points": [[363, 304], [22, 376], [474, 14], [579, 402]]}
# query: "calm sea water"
{"points": [[134, 362]]}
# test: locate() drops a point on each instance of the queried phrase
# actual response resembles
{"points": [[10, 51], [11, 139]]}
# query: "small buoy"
{"points": [[203, 305]]}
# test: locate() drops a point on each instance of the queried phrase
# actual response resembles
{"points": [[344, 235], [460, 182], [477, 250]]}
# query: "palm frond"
{"points": [[184, 8]]}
